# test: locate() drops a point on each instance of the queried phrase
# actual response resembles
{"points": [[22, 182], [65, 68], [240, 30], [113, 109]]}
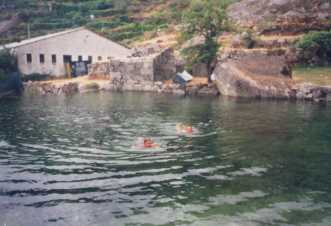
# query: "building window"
{"points": [[109, 58], [42, 58], [66, 59], [99, 58], [90, 59], [80, 58], [53, 59], [29, 58]]}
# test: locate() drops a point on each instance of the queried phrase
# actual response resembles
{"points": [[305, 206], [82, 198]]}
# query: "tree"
{"points": [[207, 19], [8, 63]]}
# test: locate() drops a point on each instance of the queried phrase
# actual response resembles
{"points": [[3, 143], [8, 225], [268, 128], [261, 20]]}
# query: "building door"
{"points": [[67, 61], [79, 68]]}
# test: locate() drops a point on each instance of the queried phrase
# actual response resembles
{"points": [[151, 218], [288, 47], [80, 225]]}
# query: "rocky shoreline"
{"points": [[301, 92], [241, 73], [70, 87]]}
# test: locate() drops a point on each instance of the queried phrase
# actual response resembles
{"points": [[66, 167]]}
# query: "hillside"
{"points": [[282, 16], [140, 21], [119, 20]]}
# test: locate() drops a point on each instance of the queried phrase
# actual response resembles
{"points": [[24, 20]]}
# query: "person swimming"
{"points": [[146, 143], [184, 128], [149, 143]]}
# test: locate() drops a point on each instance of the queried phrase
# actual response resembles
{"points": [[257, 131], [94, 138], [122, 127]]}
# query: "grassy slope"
{"points": [[315, 75]]}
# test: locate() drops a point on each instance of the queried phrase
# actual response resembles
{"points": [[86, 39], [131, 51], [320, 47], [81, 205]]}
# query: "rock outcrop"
{"points": [[233, 80], [261, 75], [282, 16]]}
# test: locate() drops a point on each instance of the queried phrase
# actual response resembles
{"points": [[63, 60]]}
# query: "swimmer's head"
{"points": [[148, 141], [189, 129]]}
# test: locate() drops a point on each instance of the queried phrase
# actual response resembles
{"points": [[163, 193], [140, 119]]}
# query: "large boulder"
{"points": [[254, 75], [282, 16], [263, 75]]}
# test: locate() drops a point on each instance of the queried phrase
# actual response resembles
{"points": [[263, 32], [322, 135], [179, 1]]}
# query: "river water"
{"points": [[71, 161]]}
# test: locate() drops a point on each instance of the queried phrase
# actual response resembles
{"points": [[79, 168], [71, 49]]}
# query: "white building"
{"points": [[52, 54]]}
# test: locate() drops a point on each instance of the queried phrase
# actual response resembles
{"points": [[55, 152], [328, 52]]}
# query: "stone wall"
{"points": [[165, 65], [71, 87], [133, 69], [157, 67]]}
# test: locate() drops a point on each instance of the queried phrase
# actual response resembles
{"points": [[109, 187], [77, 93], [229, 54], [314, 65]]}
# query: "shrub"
{"points": [[315, 47], [205, 18], [8, 62], [8, 65], [3, 75], [248, 40], [104, 5], [200, 54]]}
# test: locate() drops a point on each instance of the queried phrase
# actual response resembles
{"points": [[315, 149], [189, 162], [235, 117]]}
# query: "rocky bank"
{"points": [[258, 74], [85, 85]]}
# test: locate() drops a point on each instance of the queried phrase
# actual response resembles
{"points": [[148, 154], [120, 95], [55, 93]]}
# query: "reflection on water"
{"points": [[71, 161]]}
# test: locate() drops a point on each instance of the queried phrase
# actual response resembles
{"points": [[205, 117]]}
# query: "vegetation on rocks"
{"points": [[315, 48], [207, 19], [8, 64], [115, 19], [316, 75], [133, 21]]}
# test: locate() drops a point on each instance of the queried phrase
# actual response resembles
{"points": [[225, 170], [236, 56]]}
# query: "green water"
{"points": [[71, 161]]}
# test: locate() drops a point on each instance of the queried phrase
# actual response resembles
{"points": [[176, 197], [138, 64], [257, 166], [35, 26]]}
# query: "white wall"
{"points": [[81, 42]]}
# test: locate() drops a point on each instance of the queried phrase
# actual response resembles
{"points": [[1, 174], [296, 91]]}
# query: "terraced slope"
{"points": [[116, 19]]}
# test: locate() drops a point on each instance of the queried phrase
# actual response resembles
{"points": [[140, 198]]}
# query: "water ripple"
{"points": [[73, 162]]}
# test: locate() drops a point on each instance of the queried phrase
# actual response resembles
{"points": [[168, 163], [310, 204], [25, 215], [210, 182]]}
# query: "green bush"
{"points": [[3, 75], [203, 53], [104, 5], [8, 62], [208, 19], [315, 45]]}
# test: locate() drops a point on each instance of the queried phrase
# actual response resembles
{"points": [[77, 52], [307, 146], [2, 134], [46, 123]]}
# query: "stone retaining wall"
{"points": [[156, 67], [137, 69], [165, 66], [70, 88]]}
